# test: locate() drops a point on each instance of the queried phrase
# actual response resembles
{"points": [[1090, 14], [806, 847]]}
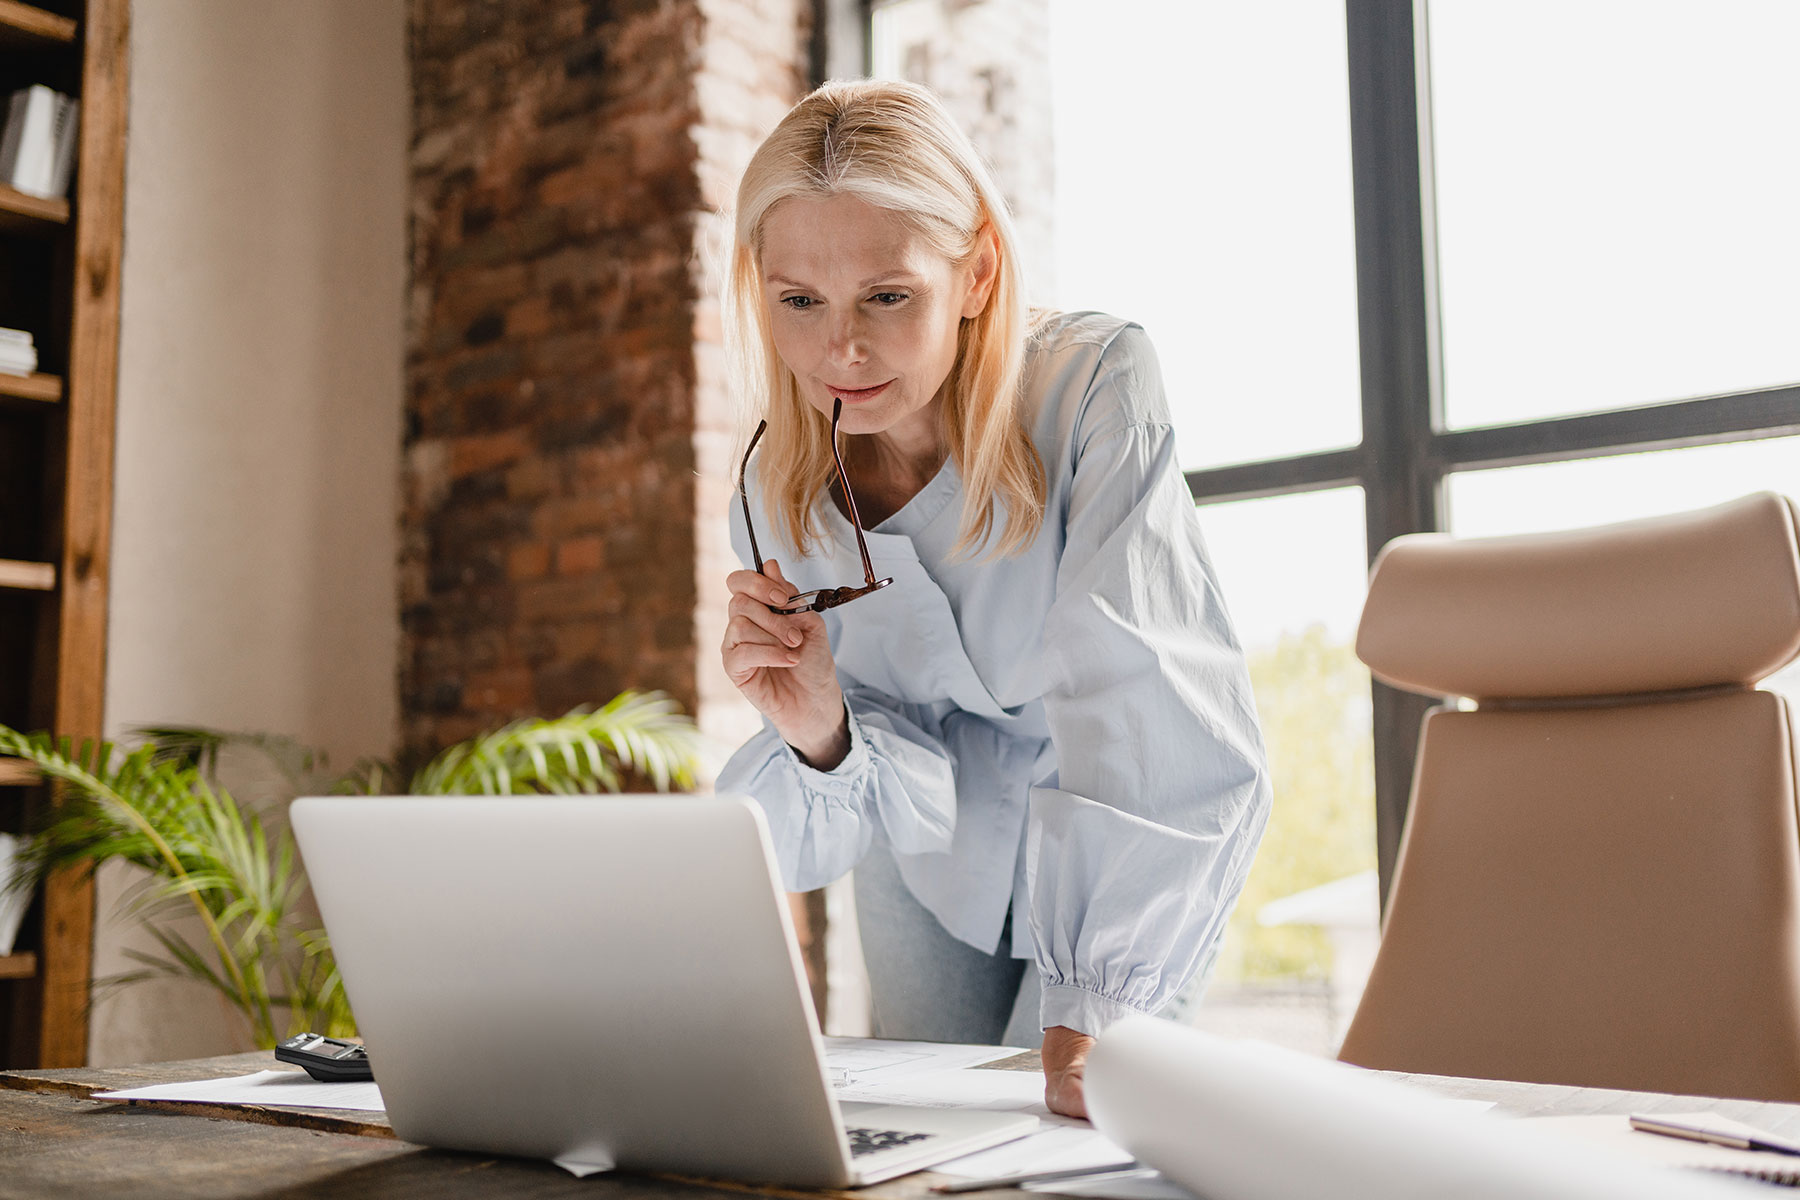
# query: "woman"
{"points": [[1037, 746]]}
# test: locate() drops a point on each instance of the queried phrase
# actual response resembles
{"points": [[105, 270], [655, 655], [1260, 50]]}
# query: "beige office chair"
{"points": [[1599, 882]]}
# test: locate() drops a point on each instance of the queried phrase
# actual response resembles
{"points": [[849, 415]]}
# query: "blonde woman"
{"points": [[996, 673]]}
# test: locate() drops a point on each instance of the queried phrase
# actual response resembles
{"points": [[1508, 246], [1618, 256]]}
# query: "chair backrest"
{"points": [[1599, 882]]}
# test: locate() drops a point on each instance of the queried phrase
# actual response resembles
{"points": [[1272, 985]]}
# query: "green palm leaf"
{"points": [[159, 806], [583, 751], [201, 747]]}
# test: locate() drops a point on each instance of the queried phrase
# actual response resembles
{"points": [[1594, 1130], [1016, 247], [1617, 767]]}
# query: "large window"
{"points": [[1169, 210], [1301, 939], [1515, 306], [1616, 192], [1469, 266]]}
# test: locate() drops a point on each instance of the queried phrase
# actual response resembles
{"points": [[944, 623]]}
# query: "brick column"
{"points": [[990, 61], [568, 434]]}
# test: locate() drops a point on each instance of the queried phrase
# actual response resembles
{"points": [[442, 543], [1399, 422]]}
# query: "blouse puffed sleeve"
{"points": [[898, 775], [1135, 857]]}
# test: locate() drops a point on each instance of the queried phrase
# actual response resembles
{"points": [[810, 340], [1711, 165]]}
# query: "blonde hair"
{"points": [[891, 145]]}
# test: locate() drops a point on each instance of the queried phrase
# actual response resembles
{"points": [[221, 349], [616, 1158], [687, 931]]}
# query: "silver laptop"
{"points": [[602, 981]]}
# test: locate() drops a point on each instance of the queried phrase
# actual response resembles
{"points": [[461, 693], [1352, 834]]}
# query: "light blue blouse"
{"points": [[1069, 731]]}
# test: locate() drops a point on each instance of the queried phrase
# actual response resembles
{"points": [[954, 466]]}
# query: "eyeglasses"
{"points": [[822, 598]]}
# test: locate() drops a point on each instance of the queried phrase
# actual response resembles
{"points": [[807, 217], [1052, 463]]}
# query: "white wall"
{"points": [[260, 396]]}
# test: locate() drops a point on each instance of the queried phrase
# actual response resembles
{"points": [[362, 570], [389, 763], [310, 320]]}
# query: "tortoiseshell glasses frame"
{"points": [[819, 599]]}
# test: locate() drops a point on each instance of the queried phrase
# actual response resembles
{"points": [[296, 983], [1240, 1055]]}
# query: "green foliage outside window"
{"points": [[1313, 699]]}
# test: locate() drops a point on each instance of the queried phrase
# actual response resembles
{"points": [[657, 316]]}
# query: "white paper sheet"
{"points": [[1061, 1145], [866, 1061], [1131, 1185], [1003, 1091], [860, 1058], [274, 1089]]}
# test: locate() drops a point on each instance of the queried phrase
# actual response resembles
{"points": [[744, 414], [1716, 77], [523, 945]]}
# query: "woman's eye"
{"points": [[798, 303], [888, 297]]}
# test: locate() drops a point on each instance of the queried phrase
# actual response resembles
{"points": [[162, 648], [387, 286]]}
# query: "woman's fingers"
{"points": [[747, 630], [758, 639], [745, 661], [764, 588], [1065, 1067], [768, 585], [779, 627]]}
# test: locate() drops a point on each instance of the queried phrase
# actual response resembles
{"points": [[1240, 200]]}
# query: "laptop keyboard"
{"points": [[870, 1141]]}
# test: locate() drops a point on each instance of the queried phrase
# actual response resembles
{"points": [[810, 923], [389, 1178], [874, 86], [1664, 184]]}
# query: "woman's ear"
{"points": [[984, 270]]}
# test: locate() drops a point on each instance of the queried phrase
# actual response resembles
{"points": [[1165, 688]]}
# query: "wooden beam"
{"points": [[18, 966], [88, 496]]}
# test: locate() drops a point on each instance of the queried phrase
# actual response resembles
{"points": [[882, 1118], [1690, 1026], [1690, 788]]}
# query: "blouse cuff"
{"points": [[1082, 1010], [838, 785]]}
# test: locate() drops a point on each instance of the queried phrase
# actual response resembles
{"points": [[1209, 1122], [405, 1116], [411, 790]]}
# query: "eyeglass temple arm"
{"points": [[756, 559], [837, 409]]}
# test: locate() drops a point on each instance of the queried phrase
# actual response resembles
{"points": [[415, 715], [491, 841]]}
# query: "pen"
{"points": [[1012, 1181], [1714, 1137]]}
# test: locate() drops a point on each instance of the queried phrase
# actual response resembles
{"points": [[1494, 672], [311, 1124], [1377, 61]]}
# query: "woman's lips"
{"points": [[856, 395]]}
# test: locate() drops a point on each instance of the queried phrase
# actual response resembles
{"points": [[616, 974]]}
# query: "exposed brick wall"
{"points": [[568, 432], [745, 86], [990, 61]]}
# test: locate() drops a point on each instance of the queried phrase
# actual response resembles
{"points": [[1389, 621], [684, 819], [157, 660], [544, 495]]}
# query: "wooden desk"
{"points": [[55, 1142]]}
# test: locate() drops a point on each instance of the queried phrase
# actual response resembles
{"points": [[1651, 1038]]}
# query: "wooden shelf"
{"points": [[16, 772], [67, 286], [48, 388], [28, 576], [26, 24], [18, 966], [24, 213]]}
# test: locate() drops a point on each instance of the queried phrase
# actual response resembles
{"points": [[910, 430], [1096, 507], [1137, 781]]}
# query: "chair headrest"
{"points": [[1689, 600]]}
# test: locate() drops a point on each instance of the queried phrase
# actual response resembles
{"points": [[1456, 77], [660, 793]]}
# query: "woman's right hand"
{"points": [[782, 664]]}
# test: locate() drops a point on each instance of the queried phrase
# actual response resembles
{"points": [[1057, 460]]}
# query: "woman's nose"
{"points": [[847, 345]]}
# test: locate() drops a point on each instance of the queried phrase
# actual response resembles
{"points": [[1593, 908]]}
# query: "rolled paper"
{"points": [[1238, 1120]]}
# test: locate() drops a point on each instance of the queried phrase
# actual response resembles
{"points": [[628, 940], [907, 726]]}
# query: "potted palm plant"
{"points": [[159, 804]]}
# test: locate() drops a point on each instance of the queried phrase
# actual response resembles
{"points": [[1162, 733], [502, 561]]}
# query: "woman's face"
{"points": [[865, 310]]}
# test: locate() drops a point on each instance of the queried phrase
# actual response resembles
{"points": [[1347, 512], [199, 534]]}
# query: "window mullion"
{"points": [[1401, 396]]}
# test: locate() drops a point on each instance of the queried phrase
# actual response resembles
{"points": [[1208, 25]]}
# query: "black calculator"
{"points": [[328, 1060]]}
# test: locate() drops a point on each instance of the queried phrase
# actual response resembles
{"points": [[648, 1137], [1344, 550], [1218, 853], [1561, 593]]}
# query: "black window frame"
{"points": [[1406, 452]]}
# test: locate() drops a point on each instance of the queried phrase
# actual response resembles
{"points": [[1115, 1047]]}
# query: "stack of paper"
{"points": [[18, 355], [37, 149], [269, 1089]]}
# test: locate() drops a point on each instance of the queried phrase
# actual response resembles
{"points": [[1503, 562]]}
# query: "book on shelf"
{"points": [[37, 147], [18, 356], [13, 900]]}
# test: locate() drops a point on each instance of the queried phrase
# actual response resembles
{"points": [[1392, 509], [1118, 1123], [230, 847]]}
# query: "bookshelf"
{"points": [[31, 215], [28, 25], [47, 389], [59, 279]]}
